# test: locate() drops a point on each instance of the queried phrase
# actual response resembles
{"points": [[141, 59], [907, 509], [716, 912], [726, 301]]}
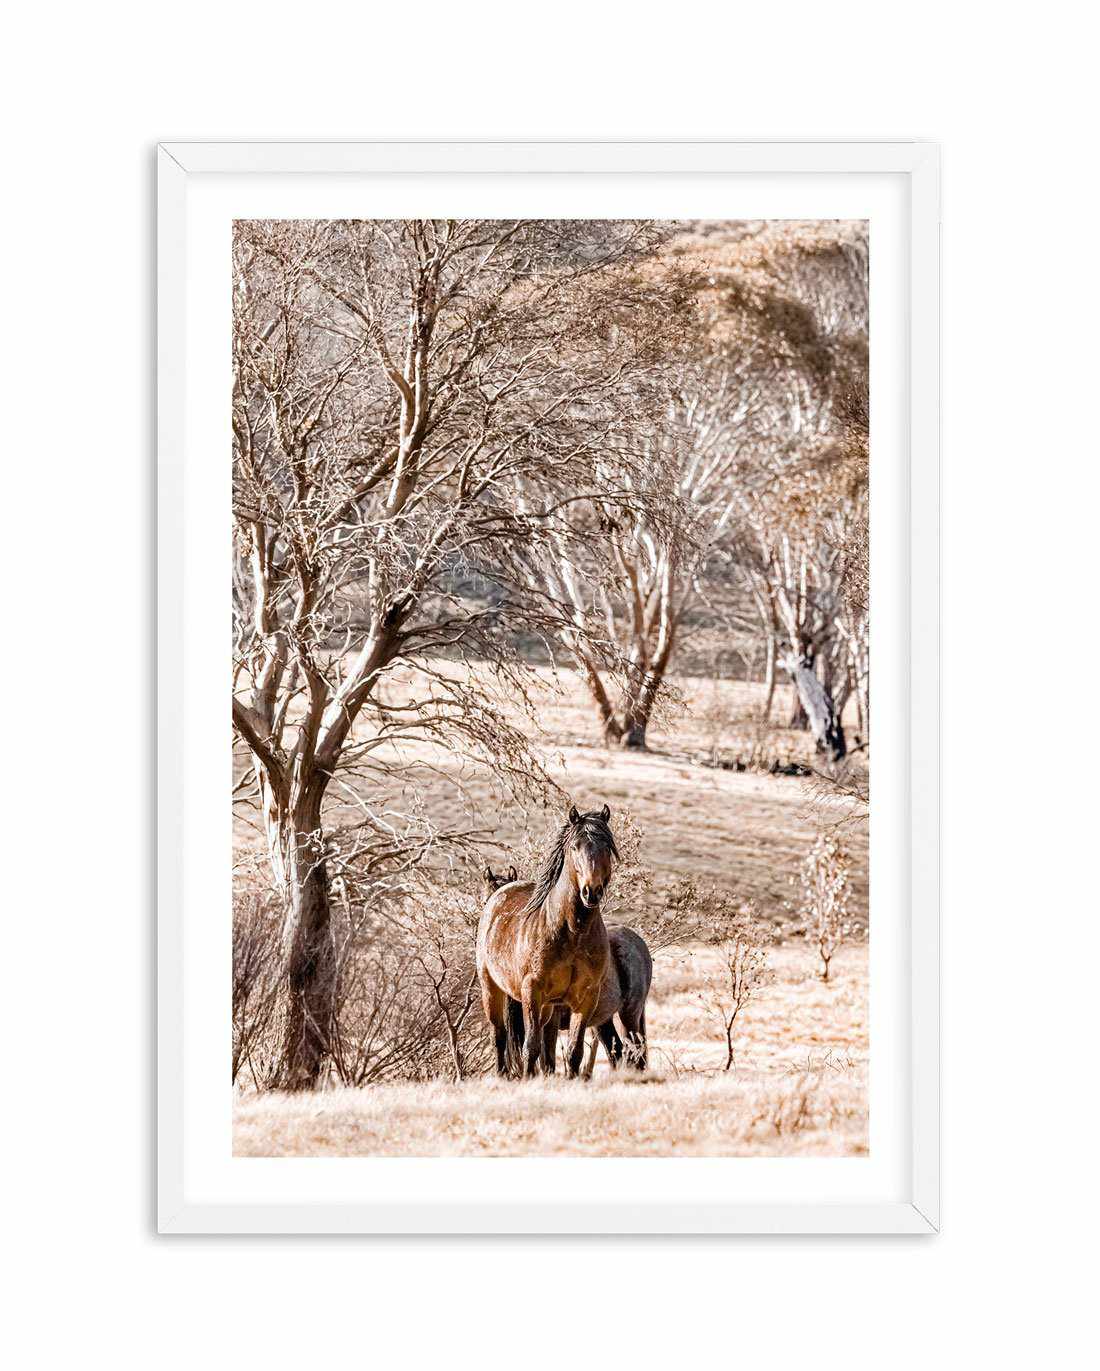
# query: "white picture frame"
{"points": [[250, 1199]]}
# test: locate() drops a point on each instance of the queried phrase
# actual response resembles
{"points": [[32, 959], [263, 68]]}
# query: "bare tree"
{"points": [[403, 391], [745, 513], [790, 304], [661, 530]]}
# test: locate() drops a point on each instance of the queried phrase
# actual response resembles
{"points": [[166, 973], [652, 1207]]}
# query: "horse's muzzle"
{"points": [[591, 895]]}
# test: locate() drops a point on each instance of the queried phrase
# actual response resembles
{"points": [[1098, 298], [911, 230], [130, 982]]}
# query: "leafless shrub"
{"points": [[633, 881], [844, 797], [255, 979], [679, 920], [405, 989], [668, 1062], [443, 926], [406, 996], [743, 970], [826, 924], [691, 912]]}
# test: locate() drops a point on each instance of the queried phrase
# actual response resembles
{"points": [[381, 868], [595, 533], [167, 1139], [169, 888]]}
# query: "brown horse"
{"points": [[491, 882], [544, 943], [624, 992]]}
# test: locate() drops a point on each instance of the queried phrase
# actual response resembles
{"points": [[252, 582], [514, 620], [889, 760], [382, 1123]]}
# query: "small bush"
{"points": [[743, 970], [825, 920]]}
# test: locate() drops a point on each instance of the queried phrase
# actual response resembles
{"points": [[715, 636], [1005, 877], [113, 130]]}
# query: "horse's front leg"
{"points": [[532, 1028], [578, 1025], [494, 1005]]}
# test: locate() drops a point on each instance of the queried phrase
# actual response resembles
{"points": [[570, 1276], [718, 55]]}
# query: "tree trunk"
{"points": [[819, 708], [637, 711], [633, 735], [309, 954], [799, 718], [639, 708], [769, 680], [612, 729], [863, 700], [311, 984], [843, 694]]}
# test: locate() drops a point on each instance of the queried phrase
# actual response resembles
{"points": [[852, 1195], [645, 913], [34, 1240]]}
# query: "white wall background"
{"points": [[89, 89]]}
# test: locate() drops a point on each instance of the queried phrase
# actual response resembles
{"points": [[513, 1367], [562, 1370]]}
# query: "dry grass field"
{"points": [[798, 1087], [798, 1084]]}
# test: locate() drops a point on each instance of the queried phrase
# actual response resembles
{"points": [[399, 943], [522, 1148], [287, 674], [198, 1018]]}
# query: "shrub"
{"points": [[825, 920], [743, 970], [255, 984], [405, 996]]}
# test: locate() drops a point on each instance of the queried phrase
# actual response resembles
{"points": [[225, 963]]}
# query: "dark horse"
{"points": [[624, 993], [493, 882], [544, 943]]}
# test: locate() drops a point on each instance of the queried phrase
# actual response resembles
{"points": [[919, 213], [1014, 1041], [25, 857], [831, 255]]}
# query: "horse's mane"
{"points": [[590, 827]]}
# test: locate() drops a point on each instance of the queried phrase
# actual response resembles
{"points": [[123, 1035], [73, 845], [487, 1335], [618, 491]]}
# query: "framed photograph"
{"points": [[524, 513]]}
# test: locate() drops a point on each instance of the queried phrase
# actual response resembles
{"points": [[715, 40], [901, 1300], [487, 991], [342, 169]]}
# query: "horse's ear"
{"points": [[573, 815], [513, 875], [489, 873], [605, 813]]}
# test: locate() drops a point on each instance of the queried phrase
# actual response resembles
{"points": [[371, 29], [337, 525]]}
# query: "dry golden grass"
{"points": [[798, 1085], [813, 1114]]}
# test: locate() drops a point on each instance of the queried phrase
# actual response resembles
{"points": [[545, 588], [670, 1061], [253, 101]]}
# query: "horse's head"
{"points": [[494, 882], [590, 850]]}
